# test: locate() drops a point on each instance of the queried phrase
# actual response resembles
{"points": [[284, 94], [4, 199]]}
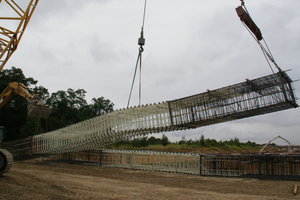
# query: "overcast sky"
{"points": [[191, 46]]}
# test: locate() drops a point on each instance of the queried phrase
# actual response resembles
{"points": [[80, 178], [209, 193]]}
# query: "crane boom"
{"points": [[10, 37], [289, 151]]}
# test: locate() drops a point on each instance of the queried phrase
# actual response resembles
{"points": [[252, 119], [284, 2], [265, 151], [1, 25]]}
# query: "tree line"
{"points": [[144, 141], [68, 107]]}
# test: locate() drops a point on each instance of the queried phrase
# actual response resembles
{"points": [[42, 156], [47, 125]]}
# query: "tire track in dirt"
{"points": [[43, 180]]}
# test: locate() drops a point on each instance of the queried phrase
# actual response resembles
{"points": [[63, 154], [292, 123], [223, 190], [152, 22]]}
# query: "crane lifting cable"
{"points": [[246, 19], [141, 43]]}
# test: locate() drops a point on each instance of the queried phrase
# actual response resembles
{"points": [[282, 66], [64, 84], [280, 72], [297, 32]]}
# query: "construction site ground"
{"points": [[34, 179]]}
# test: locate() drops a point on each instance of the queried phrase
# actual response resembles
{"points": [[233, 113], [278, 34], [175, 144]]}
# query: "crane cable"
{"points": [[267, 53], [141, 42], [265, 49]]}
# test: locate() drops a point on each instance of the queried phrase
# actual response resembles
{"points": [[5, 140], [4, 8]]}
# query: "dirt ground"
{"points": [[35, 179]]}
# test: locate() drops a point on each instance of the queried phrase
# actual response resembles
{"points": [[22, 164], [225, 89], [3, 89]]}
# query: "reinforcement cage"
{"points": [[253, 97], [225, 165]]}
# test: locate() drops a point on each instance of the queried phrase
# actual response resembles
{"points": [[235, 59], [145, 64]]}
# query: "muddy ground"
{"points": [[35, 179]]}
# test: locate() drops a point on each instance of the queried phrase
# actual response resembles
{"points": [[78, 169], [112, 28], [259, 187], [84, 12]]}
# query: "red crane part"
{"points": [[245, 17]]}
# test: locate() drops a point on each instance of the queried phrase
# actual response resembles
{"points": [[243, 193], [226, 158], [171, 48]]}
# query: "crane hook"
{"points": [[141, 41]]}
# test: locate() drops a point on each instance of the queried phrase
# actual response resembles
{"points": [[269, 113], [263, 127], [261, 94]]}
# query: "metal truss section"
{"points": [[14, 17], [254, 97]]}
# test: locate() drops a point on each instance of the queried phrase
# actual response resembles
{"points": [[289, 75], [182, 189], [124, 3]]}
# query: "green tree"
{"points": [[144, 142], [164, 140], [42, 93], [13, 115], [117, 144], [68, 108], [136, 142], [202, 140], [101, 106], [236, 141], [31, 127], [182, 141], [154, 141]]}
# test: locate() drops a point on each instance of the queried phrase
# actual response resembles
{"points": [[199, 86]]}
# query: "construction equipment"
{"points": [[6, 159], [253, 29], [1, 134], [246, 19], [191, 112], [289, 151], [36, 108], [9, 36], [9, 41]]}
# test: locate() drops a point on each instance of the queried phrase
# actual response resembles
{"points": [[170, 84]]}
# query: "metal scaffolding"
{"points": [[253, 97]]}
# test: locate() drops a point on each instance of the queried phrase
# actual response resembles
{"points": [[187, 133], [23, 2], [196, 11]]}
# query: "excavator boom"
{"points": [[36, 108]]}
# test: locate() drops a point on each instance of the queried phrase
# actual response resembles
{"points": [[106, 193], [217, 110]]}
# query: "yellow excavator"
{"points": [[36, 108]]}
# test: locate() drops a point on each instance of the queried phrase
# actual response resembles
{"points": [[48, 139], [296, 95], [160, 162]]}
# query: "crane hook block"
{"points": [[245, 17], [141, 41]]}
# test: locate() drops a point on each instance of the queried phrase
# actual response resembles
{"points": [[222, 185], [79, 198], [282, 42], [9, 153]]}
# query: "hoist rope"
{"points": [[140, 85], [141, 49], [133, 79], [144, 13], [261, 46], [266, 51]]}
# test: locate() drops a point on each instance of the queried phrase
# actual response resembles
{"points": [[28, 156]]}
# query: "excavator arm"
{"points": [[36, 108], [12, 89]]}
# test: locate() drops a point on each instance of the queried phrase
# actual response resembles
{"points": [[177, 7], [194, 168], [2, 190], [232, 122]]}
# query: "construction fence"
{"points": [[223, 165]]}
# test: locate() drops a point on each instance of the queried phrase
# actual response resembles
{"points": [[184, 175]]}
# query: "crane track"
{"points": [[6, 161]]}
